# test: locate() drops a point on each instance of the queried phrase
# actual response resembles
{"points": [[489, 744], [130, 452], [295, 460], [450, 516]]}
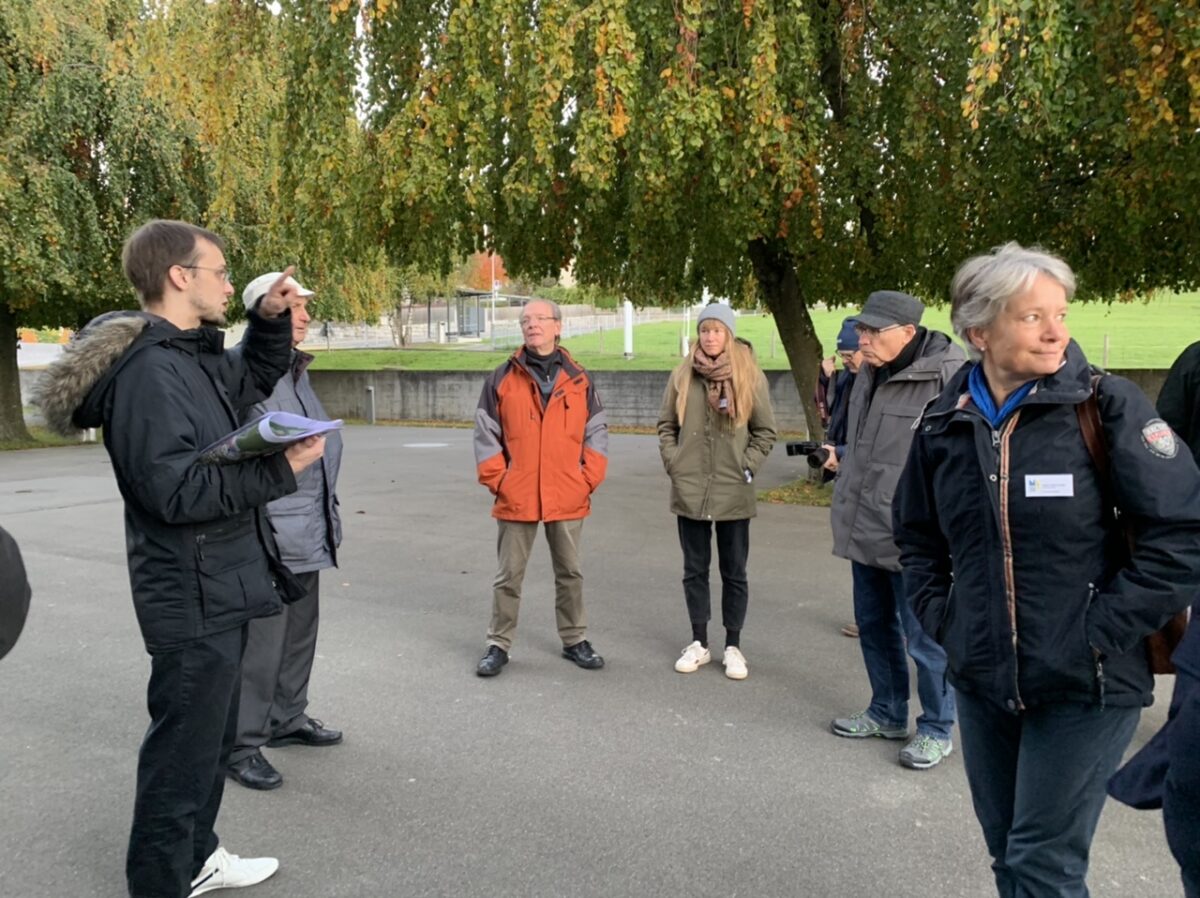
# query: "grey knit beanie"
{"points": [[721, 313]]}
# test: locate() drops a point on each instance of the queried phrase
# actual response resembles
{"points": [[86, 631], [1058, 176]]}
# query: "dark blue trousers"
{"points": [[193, 703], [1038, 785], [1181, 796], [887, 627]]}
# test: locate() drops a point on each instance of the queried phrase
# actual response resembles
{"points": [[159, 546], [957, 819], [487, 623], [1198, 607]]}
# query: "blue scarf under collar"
{"points": [[982, 397]]}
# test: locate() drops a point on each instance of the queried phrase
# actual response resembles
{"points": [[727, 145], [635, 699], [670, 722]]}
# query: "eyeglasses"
{"points": [[222, 273], [539, 319], [863, 331], [846, 356]]}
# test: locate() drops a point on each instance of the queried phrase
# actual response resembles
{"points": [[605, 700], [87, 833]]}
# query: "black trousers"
{"points": [[193, 703], [733, 548], [275, 671]]}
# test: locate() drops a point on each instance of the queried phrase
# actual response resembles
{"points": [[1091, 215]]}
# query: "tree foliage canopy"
{"points": [[824, 147], [874, 143], [817, 149]]}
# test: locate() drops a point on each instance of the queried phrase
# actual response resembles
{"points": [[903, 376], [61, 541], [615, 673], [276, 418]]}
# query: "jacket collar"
{"points": [[71, 390], [1071, 384], [569, 366]]}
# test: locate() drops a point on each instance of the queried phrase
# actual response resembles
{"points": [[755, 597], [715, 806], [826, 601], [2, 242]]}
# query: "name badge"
{"points": [[1049, 486]]}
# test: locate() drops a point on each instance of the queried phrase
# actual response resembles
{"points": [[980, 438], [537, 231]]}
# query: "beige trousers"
{"points": [[513, 546]]}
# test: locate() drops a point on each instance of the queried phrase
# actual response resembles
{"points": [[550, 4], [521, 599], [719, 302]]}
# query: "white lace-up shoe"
{"points": [[735, 664], [223, 870], [692, 658]]}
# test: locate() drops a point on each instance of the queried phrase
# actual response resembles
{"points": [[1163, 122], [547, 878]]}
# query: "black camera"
{"points": [[815, 452]]}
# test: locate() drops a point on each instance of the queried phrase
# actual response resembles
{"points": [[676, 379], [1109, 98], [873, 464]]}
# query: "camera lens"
{"points": [[818, 457]]}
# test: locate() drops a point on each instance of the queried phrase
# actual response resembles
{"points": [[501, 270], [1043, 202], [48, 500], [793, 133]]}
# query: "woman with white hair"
{"points": [[1016, 564], [715, 428]]}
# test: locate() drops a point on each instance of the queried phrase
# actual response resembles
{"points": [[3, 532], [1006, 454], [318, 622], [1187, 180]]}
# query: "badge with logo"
{"points": [[1159, 438]]}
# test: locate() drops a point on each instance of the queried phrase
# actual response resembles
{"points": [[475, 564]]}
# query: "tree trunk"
{"points": [[775, 271], [12, 416]]}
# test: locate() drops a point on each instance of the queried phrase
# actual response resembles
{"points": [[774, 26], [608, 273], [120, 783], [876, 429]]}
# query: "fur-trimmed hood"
{"points": [[67, 391]]}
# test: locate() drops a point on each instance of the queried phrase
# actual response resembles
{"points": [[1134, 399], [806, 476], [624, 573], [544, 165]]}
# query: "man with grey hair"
{"points": [[308, 529], [541, 448], [905, 367]]}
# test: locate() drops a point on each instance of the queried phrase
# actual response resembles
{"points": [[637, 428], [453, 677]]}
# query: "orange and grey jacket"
{"points": [[540, 464]]}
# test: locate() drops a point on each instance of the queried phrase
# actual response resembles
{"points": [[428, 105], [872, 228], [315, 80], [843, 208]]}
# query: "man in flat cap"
{"points": [[308, 529], [904, 366]]}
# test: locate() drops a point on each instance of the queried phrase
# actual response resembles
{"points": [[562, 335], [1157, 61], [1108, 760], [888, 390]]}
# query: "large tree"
{"points": [[237, 114], [825, 147], [84, 152]]}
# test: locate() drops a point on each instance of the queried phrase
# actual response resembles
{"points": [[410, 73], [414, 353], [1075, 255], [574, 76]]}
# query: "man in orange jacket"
{"points": [[541, 447]]}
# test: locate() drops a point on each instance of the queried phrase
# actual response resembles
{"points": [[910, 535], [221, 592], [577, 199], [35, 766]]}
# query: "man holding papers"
{"points": [[202, 563], [280, 650]]}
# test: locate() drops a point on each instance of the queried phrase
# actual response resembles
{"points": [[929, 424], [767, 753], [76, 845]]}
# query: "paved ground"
{"points": [[546, 781]]}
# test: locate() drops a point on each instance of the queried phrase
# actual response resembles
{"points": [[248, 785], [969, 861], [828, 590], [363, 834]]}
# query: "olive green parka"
{"points": [[706, 459]]}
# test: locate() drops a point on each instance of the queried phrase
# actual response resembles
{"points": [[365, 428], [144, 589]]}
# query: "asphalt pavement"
{"points": [[547, 780]]}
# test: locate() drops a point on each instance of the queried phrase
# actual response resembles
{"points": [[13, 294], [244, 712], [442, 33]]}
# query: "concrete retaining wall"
{"points": [[631, 397]]}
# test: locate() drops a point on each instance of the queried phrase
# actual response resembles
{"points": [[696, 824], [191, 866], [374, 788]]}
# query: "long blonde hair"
{"points": [[745, 371]]}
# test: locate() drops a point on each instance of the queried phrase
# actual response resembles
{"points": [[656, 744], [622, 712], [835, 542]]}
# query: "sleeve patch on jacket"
{"points": [[1158, 437]]}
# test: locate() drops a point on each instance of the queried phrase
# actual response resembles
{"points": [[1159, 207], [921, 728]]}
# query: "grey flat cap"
{"points": [[885, 308]]}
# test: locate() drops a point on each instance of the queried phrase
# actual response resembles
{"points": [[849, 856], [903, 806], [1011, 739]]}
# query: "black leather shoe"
{"points": [[312, 733], [581, 653], [491, 663], [255, 772]]}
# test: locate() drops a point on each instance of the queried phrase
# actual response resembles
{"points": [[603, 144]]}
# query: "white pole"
{"points": [[628, 329], [494, 286]]}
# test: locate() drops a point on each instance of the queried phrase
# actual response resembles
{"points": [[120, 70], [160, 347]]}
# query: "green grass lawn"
{"points": [[1140, 335], [41, 438]]}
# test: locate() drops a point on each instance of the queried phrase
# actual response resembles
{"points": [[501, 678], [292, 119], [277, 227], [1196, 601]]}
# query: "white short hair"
{"points": [[983, 285]]}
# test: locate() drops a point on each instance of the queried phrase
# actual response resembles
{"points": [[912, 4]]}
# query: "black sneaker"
{"points": [[581, 653], [491, 663]]}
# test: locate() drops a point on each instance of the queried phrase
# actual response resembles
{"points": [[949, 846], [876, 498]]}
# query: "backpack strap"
{"points": [[1092, 429]]}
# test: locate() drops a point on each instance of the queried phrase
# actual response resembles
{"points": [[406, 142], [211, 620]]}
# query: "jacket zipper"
{"points": [[1001, 441], [1100, 684]]}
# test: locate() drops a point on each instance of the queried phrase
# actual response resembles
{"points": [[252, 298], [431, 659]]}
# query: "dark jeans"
{"points": [[886, 628], [193, 703], [1181, 796], [275, 670], [1038, 785], [733, 548]]}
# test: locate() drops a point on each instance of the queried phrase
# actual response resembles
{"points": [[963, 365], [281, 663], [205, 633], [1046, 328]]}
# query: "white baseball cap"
{"points": [[257, 288]]}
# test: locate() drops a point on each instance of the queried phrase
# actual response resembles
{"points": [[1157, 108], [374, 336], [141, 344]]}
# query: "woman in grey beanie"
{"points": [[715, 428]]}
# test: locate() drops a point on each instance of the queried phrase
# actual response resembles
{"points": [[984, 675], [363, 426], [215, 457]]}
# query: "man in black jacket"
{"points": [[1166, 772], [202, 563], [14, 593]]}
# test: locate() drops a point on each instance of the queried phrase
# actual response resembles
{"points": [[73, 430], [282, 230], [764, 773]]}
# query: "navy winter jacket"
{"points": [[1012, 558]]}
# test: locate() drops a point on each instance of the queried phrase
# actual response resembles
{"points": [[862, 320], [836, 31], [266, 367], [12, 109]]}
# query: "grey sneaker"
{"points": [[862, 725], [925, 751]]}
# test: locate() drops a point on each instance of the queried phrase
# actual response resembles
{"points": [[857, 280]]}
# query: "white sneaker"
{"points": [[735, 664], [693, 656], [223, 870]]}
